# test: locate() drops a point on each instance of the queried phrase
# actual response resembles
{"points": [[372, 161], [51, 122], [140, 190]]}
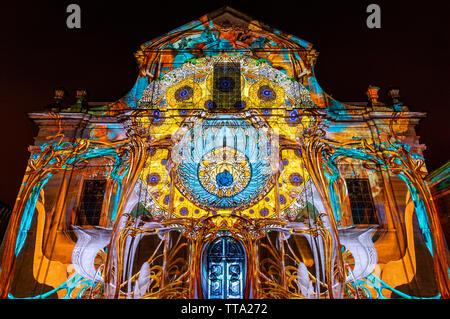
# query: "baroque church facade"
{"points": [[226, 172]]}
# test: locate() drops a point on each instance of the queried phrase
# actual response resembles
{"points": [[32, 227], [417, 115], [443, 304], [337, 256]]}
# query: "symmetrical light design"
{"points": [[225, 172]]}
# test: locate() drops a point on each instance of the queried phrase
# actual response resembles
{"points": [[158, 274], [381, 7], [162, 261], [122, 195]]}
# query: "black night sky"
{"points": [[38, 53]]}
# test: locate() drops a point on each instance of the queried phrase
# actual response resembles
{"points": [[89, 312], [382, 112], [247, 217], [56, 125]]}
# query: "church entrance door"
{"points": [[225, 269]]}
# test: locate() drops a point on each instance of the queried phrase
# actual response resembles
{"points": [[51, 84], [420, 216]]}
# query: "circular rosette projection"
{"points": [[185, 93], [266, 94], [224, 172], [223, 162]]}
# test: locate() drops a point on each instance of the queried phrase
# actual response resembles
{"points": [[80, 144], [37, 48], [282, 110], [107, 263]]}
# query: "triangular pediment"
{"points": [[226, 28], [226, 32]]}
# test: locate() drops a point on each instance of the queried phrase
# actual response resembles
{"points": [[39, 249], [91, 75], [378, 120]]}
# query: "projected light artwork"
{"points": [[225, 172]]}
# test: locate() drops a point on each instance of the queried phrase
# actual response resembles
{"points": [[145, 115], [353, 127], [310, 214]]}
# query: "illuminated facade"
{"points": [[226, 172]]}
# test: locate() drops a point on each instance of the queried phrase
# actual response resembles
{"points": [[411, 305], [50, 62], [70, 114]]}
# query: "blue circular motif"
{"points": [[153, 179], [224, 179], [295, 179], [224, 159], [210, 105], [266, 93], [263, 212], [184, 93], [225, 84], [156, 117], [166, 199], [293, 115]]}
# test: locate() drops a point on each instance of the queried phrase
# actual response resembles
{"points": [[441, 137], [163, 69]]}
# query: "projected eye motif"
{"points": [[184, 93], [210, 105], [225, 84], [156, 118], [293, 117], [266, 93], [224, 179], [296, 179], [224, 172], [153, 179], [224, 163]]}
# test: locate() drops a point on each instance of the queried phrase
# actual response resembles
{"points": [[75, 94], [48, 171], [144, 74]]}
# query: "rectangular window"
{"points": [[227, 87], [90, 208], [360, 194]]}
